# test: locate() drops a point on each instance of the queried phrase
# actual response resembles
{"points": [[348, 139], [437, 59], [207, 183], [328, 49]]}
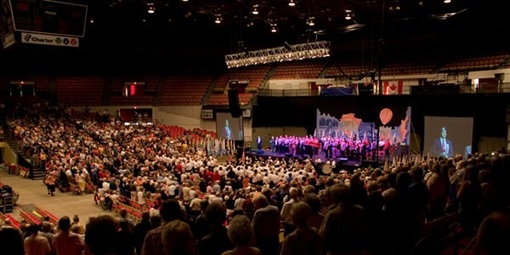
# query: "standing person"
{"points": [[11, 240], [36, 244], [51, 180], [272, 143], [141, 230], [288, 225], [101, 236], [65, 242], [305, 240], [153, 242], [266, 226]]}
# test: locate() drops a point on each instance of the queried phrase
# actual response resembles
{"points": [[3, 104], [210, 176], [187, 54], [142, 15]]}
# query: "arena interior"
{"points": [[266, 127]]}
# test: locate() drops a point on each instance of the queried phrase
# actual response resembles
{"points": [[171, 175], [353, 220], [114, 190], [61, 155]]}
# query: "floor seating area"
{"points": [[44, 213], [203, 132], [11, 220], [174, 131], [80, 90], [29, 217], [134, 209]]}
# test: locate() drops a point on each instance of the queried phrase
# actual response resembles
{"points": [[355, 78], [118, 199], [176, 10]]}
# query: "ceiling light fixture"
{"points": [[292, 3], [310, 21], [288, 52], [348, 14], [447, 1], [255, 11], [151, 8], [273, 28]]}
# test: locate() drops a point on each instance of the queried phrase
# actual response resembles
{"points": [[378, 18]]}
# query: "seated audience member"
{"points": [[101, 235], [305, 240], [178, 239], [241, 235]]}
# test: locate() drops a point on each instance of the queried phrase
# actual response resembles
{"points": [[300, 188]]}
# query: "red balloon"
{"points": [[385, 116]]}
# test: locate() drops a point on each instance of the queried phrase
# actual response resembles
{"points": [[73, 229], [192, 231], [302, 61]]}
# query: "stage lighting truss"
{"points": [[288, 52]]}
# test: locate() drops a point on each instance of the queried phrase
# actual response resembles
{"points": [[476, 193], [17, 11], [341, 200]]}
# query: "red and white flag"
{"points": [[393, 87]]}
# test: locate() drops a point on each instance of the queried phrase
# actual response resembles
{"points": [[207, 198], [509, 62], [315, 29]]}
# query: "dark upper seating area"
{"points": [[186, 88], [145, 89], [80, 90], [251, 79], [349, 65], [306, 69], [207, 85], [254, 76], [408, 62], [476, 61]]}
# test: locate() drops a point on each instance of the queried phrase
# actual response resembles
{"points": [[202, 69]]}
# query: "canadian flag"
{"points": [[393, 87]]}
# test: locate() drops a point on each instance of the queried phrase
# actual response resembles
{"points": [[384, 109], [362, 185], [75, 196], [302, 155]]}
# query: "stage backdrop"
{"points": [[393, 123]]}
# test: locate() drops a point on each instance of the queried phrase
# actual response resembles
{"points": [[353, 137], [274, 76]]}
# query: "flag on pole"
{"points": [[393, 87]]}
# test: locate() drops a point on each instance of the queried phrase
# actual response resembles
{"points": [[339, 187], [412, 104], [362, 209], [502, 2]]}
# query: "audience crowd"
{"points": [[190, 202]]}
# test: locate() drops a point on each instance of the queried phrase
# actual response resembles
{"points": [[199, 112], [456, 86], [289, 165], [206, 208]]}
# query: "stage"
{"points": [[341, 163]]}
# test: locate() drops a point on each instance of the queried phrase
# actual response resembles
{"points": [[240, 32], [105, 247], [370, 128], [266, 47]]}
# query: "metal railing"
{"points": [[464, 89]]}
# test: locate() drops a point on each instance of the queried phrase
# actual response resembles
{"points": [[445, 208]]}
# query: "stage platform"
{"points": [[341, 164]]}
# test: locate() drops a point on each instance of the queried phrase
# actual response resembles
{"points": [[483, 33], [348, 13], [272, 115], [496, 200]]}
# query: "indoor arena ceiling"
{"points": [[225, 23], [126, 28]]}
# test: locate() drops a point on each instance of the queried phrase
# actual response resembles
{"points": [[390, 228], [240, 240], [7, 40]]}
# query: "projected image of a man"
{"points": [[443, 147]]}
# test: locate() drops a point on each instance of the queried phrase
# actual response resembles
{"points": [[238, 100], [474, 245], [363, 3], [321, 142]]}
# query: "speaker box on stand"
{"points": [[233, 103]]}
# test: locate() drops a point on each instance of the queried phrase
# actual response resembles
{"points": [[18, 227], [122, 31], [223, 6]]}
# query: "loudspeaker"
{"points": [[233, 103]]}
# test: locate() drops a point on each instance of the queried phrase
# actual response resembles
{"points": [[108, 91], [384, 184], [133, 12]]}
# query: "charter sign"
{"points": [[52, 40]]}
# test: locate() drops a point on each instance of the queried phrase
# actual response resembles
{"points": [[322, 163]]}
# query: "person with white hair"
{"points": [[288, 225]]}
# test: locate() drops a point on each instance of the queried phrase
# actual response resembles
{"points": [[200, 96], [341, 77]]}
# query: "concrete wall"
{"points": [[8, 156]]}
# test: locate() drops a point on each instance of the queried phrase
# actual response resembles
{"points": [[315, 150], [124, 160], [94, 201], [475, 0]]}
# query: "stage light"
{"points": [[288, 52]]}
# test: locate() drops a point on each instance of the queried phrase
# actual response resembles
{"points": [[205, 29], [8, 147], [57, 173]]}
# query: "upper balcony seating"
{"points": [[306, 69], [80, 90], [187, 89], [254, 75]]}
